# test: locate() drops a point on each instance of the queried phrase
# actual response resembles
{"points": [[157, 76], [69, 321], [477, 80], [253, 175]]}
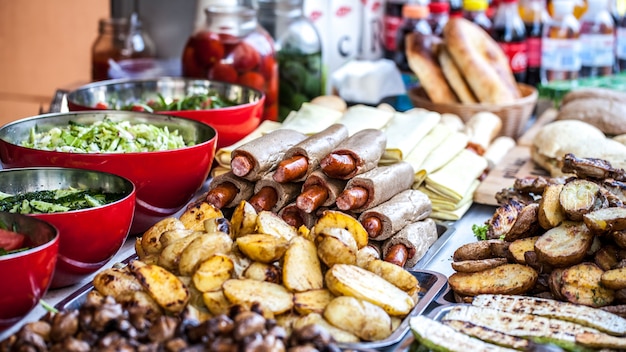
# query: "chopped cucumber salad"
{"points": [[55, 201], [106, 136]]}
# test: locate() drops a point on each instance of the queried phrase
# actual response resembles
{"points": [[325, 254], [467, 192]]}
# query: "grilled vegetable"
{"points": [[489, 335], [170, 255], [163, 286], [564, 245], [151, 239], [336, 246], [481, 250], [604, 220], [472, 266], [551, 213], [262, 248], [216, 302], [579, 197], [312, 301], [213, 272], [271, 297], [263, 272], [581, 284], [301, 266], [243, 220], [503, 279], [521, 246], [614, 279], [594, 318], [115, 282], [202, 248], [337, 219], [193, 218], [364, 319], [271, 224], [395, 274], [601, 341]]}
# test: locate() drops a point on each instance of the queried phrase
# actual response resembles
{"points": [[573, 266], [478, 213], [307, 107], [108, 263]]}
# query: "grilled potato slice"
{"points": [[243, 220], [550, 213], [170, 255], [336, 246], [504, 279], [364, 319], [263, 272], [150, 240], [271, 297], [619, 237], [564, 245], [351, 280], [518, 247], [579, 197], [555, 282], [193, 217], [606, 257], [172, 235], [202, 248], [216, 302], [142, 300], [139, 249], [340, 335], [614, 279], [302, 270], [581, 284], [115, 282], [604, 220], [312, 301], [472, 266], [367, 254], [481, 250], [262, 248], [526, 223], [218, 225], [213, 272], [334, 219], [271, 224], [395, 274], [163, 286]]}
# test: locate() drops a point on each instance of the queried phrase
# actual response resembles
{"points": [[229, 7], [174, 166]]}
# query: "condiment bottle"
{"points": [[439, 15], [392, 19], [118, 39], [232, 47], [415, 21], [299, 52], [560, 44], [474, 10], [510, 33], [597, 38], [534, 14], [456, 8]]}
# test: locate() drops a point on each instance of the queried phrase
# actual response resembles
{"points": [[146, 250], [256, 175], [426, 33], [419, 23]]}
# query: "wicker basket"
{"points": [[514, 115]]}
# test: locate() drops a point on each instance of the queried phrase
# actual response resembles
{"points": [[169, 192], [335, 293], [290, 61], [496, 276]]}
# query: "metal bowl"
{"points": [[231, 123]]}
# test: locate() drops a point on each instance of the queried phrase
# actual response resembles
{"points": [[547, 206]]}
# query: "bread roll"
{"points": [[606, 114], [455, 77]]}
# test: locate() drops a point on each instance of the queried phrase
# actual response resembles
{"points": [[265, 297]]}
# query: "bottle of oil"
{"points": [[597, 38], [534, 14], [560, 44]]}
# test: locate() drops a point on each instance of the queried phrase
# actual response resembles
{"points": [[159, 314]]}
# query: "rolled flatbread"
{"points": [[291, 210], [333, 186], [245, 188], [222, 156], [365, 147], [417, 237]]}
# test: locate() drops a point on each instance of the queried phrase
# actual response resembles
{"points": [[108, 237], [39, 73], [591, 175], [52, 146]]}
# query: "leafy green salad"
{"points": [[106, 136], [55, 201]]}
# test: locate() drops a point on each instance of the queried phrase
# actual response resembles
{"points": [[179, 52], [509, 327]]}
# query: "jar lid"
{"points": [[475, 5], [439, 7], [414, 11]]}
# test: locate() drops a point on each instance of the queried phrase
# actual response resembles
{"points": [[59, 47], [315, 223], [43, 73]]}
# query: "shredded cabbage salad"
{"points": [[106, 136]]}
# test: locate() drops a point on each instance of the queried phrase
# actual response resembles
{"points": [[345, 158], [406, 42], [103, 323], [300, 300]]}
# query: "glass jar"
{"points": [[299, 51], [232, 47], [118, 39]]}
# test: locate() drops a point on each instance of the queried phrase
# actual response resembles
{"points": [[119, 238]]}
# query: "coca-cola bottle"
{"points": [[510, 33], [534, 14]]}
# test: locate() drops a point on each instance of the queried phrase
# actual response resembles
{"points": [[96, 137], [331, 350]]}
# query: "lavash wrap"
{"points": [[402, 209], [245, 188], [418, 236], [366, 147], [267, 151], [382, 183], [333, 186], [286, 192], [308, 219], [317, 146]]}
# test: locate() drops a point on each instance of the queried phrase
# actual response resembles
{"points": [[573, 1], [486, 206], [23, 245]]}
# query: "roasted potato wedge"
{"points": [[150, 240], [202, 248], [604, 220], [479, 250], [619, 237], [395, 274], [581, 284], [614, 279], [606, 257], [163, 286], [338, 219], [518, 247], [193, 217], [366, 255], [262, 247], [525, 224], [140, 299], [564, 245], [351, 280], [555, 281], [472, 266], [503, 279], [364, 319], [550, 213], [170, 255], [243, 220], [271, 224], [302, 270], [271, 297], [216, 302], [139, 249], [213, 272], [336, 246], [218, 225], [115, 282], [579, 197], [312, 301], [263, 272], [340, 335], [172, 235]]}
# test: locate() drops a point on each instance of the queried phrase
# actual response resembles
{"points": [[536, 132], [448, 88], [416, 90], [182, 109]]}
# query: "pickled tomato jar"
{"points": [[232, 47]]}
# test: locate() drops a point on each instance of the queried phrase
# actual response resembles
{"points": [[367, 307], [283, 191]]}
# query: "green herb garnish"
{"points": [[480, 231]]}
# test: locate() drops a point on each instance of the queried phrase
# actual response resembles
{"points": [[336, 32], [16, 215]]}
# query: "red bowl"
{"points": [[231, 123], [89, 238], [27, 275], [165, 180]]}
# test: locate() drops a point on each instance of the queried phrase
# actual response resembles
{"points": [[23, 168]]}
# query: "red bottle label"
{"points": [[516, 52], [390, 30], [533, 52]]}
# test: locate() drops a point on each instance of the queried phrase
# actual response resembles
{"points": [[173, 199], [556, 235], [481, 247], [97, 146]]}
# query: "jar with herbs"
{"points": [[232, 47]]}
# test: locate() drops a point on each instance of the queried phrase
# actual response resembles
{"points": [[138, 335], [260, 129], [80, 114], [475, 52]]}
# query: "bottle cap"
{"points": [[439, 7], [414, 11], [475, 5]]}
